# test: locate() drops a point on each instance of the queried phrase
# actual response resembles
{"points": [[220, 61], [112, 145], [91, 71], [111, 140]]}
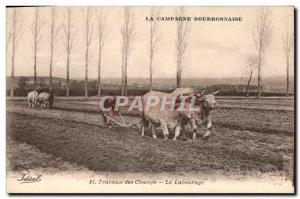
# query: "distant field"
{"points": [[268, 115], [273, 103]]}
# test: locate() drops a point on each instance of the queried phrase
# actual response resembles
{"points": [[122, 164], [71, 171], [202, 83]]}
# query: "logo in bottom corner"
{"points": [[25, 178]]}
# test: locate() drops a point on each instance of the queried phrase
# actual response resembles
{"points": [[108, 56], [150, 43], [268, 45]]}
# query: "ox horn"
{"points": [[215, 92]]}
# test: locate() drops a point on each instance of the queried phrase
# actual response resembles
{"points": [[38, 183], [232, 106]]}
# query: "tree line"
{"points": [[97, 19]]}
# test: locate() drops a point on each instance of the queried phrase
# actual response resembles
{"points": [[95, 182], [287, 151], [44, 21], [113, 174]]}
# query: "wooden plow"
{"points": [[121, 122]]}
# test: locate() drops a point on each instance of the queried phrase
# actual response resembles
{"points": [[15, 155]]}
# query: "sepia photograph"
{"points": [[150, 100]]}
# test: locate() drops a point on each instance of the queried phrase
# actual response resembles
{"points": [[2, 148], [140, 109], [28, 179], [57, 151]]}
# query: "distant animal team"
{"points": [[43, 99]]}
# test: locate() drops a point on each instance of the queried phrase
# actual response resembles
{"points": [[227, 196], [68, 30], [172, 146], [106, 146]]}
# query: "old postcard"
{"points": [[150, 99]]}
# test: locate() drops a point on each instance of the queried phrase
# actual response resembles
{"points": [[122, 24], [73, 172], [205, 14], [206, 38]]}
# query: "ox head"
{"points": [[209, 101]]}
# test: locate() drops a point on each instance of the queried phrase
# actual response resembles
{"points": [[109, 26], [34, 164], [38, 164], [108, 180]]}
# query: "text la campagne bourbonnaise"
{"points": [[208, 19]]}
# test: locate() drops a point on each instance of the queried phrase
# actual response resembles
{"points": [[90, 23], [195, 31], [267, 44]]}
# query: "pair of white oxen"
{"points": [[43, 100], [177, 120]]}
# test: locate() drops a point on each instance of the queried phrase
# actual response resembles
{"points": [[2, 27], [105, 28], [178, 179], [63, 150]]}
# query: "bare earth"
{"points": [[60, 140]]}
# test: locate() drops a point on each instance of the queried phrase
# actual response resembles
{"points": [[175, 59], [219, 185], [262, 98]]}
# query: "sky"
{"points": [[215, 49]]}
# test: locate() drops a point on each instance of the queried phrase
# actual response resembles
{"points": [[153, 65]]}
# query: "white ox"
{"points": [[46, 100], [32, 99], [176, 118]]}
